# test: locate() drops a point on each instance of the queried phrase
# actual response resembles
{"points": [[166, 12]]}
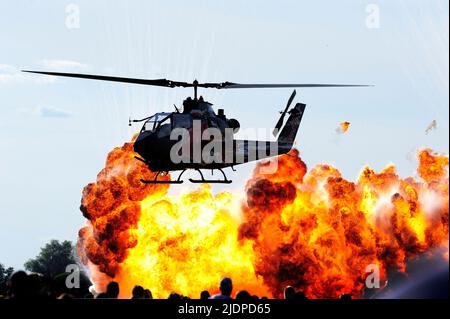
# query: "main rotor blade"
{"points": [[281, 119], [157, 82], [230, 85], [171, 84]]}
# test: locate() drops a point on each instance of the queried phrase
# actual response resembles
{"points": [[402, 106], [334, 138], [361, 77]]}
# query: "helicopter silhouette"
{"points": [[163, 151]]}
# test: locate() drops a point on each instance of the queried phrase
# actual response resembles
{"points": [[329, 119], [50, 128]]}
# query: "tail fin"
{"points": [[289, 131]]}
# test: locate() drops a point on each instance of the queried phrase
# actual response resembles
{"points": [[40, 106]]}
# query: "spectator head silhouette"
{"points": [[226, 286], [137, 292], [35, 285], [204, 294], [300, 295], [18, 285], [346, 297], [243, 295], [148, 294], [112, 290], [289, 292], [174, 296]]}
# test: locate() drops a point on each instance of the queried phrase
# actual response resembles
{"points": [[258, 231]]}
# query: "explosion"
{"points": [[313, 229], [318, 232], [137, 234]]}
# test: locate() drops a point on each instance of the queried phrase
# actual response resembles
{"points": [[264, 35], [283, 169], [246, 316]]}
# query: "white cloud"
{"points": [[45, 111], [62, 64], [11, 74]]}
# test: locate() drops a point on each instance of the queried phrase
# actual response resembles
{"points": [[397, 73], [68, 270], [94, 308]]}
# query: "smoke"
{"points": [[308, 228], [431, 127], [319, 234]]}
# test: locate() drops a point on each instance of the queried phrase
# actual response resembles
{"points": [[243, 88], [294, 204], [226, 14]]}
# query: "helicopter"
{"points": [[162, 151]]}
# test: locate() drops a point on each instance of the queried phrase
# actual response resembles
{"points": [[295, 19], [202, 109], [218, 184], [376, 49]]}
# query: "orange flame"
{"points": [[343, 127], [311, 229]]}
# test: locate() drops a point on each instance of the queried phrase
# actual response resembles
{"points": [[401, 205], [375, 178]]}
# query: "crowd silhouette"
{"points": [[22, 286]]}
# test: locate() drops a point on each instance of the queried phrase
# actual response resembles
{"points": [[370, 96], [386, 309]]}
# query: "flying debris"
{"points": [[343, 127], [431, 127]]}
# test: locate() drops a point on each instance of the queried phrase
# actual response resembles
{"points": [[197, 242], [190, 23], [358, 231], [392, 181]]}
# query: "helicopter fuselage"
{"points": [[207, 142]]}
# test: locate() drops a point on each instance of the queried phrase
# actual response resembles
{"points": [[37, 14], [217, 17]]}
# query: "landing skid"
{"points": [[214, 181], [156, 181], [179, 181], [209, 181], [144, 181]]}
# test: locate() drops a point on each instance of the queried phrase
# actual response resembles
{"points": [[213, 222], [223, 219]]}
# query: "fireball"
{"points": [[310, 229]]}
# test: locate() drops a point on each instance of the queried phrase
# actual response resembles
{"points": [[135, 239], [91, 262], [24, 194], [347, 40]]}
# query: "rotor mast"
{"points": [[195, 85]]}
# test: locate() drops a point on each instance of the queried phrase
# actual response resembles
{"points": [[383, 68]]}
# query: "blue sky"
{"points": [[55, 133]]}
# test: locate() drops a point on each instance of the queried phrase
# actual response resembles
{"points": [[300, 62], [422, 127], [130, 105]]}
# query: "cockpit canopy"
{"points": [[153, 122], [163, 123]]}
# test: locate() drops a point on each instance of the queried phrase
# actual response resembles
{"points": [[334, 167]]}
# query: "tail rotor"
{"points": [[280, 122]]}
